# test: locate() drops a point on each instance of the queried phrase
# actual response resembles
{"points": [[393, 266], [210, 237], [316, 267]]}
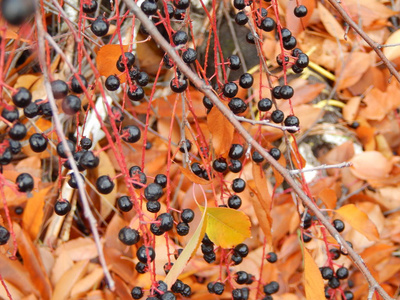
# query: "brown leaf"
{"points": [[107, 58], [193, 177], [351, 68], [313, 282], [351, 109], [221, 131], [370, 165], [88, 282], [107, 201], [328, 196], [331, 24]]}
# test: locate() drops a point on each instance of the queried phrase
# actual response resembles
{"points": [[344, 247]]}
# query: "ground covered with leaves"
{"points": [[173, 200]]}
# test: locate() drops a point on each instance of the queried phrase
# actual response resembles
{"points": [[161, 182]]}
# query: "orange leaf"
{"points": [[313, 282], [193, 177], [352, 68], [331, 24], [328, 196], [297, 25], [107, 58], [221, 130], [359, 221], [371, 165]]}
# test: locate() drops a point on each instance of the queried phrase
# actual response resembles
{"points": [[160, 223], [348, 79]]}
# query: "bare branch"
{"points": [[322, 167]]}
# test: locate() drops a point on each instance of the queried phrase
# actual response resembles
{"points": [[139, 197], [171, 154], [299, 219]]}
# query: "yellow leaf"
{"points": [[33, 215], [227, 227], [359, 221], [313, 282], [221, 131], [193, 177], [189, 250]]}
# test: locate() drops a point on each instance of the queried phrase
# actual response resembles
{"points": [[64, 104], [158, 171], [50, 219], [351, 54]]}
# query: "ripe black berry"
{"points": [[218, 288], [239, 4], [130, 60], [6, 157], [234, 62], [230, 89], [241, 277], [170, 11], [268, 24], [178, 286], [189, 56], [178, 85], [90, 7], [167, 221], [246, 80], [24, 182], [76, 87], [342, 273], [207, 249], [187, 291], [265, 104], [32, 110], [207, 102], [277, 116], [136, 93], [161, 179], [286, 34], [302, 61], [272, 257], [234, 202], [131, 134], [180, 38], [306, 237], [153, 192], [210, 258], [117, 114], [235, 165], [237, 105], [100, 26], [88, 160], [22, 97], [250, 38], [124, 203], [46, 109], [61, 151], [196, 169], [149, 7], [10, 114], [300, 11], [128, 236], [181, 4], [220, 165], [339, 225], [241, 18], [236, 258], [15, 146], [38, 142], [275, 153], [236, 151], [242, 250], [237, 294], [290, 43], [145, 253], [153, 206], [334, 283], [326, 272], [141, 268], [112, 83], [238, 185], [142, 78], [292, 121], [335, 253], [286, 92], [276, 92], [62, 207], [187, 215], [71, 105], [179, 14], [182, 228], [271, 288], [17, 132], [155, 229], [137, 292], [348, 295], [104, 184], [186, 145], [86, 143], [4, 235], [59, 89], [257, 157]]}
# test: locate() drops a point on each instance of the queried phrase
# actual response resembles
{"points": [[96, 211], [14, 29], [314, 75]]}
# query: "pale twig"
{"points": [[374, 45], [267, 123], [81, 187], [322, 167], [207, 91]]}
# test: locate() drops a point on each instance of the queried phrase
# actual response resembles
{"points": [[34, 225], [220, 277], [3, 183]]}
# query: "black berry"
{"points": [[182, 228], [131, 134], [180, 38], [300, 11], [18, 131], [187, 215], [124, 203], [234, 202], [230, 90], [76, 87], [246, 80], [112, 83], [326, 272], [277, 116], [100, 26], [242, 250], [234, 62], [153, 192], [71, 105], [4, 235], [22, 97], [38, 142], [62, 207], [104, 184], [189, 56], [24, 182], [128, 236], [161, 179], [342, 273], [265, 104], [241, 18], [271, 288], [145, 253], [339, 225], [272, 257], [11, 114], [237, 106], [59, 89]]}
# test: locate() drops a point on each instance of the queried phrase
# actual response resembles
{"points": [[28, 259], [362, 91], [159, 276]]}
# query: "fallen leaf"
{"points": [[88, 282], [328, 196], [331, 24], [188, 251], [313, 282], [107, 201], [227, 227], [107, 58], [193, 177], [359, 221], [221, 131], [351, 68], [351, 109], [371, 165], [297, 25]]}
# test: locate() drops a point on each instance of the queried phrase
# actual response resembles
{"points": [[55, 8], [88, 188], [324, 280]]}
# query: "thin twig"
{"points": [[81, 188], [267, 123], [375, 46], [322, 167], [212, 95]]}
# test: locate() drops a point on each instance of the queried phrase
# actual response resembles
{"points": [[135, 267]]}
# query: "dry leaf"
{"points": [[328, 196], [107, 168], [107, 58], [227, 227], [221, 131], [193, 177], [331, 24], [359, 221], [351, 68], [371, 165], [313, 282]]}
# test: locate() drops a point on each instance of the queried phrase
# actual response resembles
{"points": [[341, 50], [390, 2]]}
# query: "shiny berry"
{"points": [[239, 4], [181, 4], [62, 207], [348, 295], [277, 116], [145, 253], [22, 97], [32, 110], [290, 43], [237, 294], [61, 151], [234, 202], [268, 24], [6, 157], [257, 157], [142, 78], [265, 104], [178, 85], [124, 203], [137, 292], [241, 18], [207, 102], [129, 60], [185, 145], [234, 62], [86, 143], [131, 134], [342, 273], [149, 7], [153, 192], [250, 38], [238, 185], [220, 165], [104, 184], [71, 105], [4, 235], [180, 38], [339, 225], [76, 87], [286, 34], [136, 93], [334, 253], [271, 288], [246, 80], [237, 105], [59, 89], [128, 236], [112, 83], [242, 250], [189, 56], [161, 179], [182, 228], [24, 182], [196, 169], [235, 166], [210, 258], [334, 283], [286, 92], [230, 90], [141, 268], [275, 153], [236, 258], [292, 121], [15, 146], [276, 92], [89, 160], [326, 272], [167, 221], [187, 215], [302, 61], [100, 26], [153, 206], [11, 114], [300, 11], [236, 151], [271, 257], [17, 132], [38, 142]]}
